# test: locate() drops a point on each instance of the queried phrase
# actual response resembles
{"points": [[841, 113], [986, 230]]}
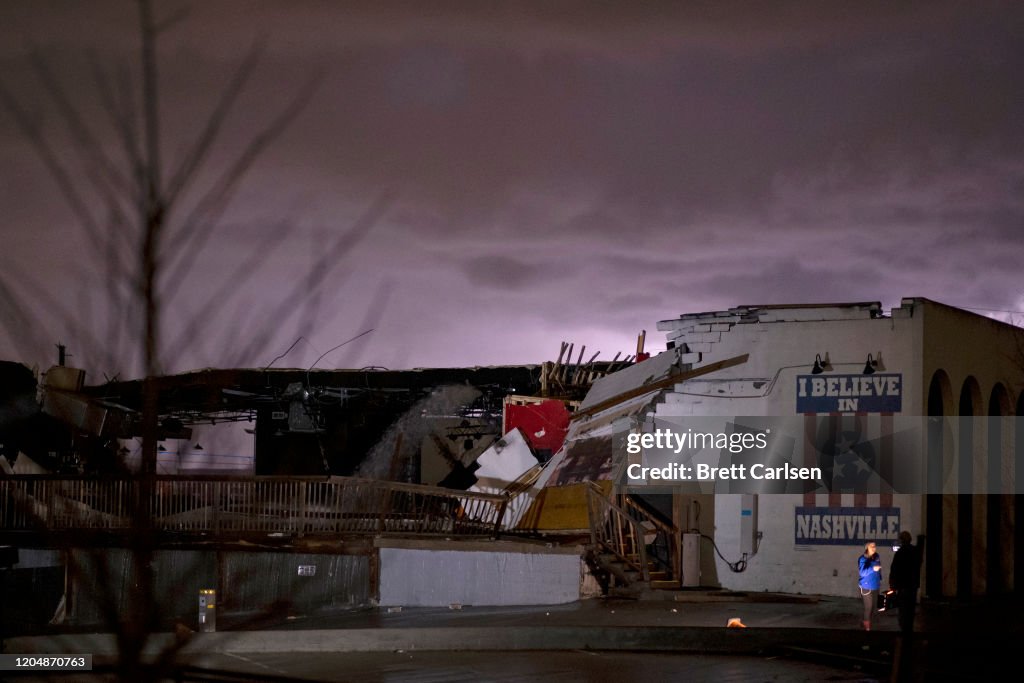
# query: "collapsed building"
{"points": [[829, 425], [258, 471]]}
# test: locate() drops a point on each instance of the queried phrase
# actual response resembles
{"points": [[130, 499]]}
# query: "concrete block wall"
{"points": [[431, 577]]}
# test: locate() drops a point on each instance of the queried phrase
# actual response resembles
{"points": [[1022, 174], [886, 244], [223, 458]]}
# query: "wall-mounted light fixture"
{"points": [[872, 365], [820, 365]]}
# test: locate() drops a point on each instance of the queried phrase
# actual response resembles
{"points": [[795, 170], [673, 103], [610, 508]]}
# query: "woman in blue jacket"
{"points": [[870, 581]]}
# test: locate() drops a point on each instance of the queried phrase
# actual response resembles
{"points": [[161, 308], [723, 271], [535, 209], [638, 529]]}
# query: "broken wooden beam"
{"points": [[660, 384]]}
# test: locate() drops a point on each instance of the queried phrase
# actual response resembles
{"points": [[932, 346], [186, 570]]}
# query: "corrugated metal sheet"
{"points": [[179, 575], [103, 577], [437, 578], [250, 582]]}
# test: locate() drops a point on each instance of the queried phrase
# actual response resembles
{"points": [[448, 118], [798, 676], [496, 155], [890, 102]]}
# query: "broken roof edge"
{"points": [[869, 305], [368, 368], [516, 378], [655, 368], [746, 311], [661, 378], [321, 372]]}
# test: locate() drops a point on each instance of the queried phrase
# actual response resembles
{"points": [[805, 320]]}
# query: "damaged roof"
{"points": [[219, 390]]}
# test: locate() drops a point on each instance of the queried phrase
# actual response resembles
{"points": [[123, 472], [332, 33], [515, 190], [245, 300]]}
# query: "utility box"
{"points": [[691, 560], [748, 524], [207, 610]]}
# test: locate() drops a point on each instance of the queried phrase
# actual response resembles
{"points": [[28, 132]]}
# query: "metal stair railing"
{"points": [[614, 531], [665, 536]]}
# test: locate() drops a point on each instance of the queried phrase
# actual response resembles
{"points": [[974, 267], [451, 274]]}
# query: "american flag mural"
{"points": [[855, 453]]}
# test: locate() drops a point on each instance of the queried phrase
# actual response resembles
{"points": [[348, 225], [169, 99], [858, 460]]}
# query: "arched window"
{"points": [[940, 404], [999, 555]]}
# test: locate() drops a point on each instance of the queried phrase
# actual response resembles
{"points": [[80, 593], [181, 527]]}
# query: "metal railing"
{"points": [[616, 532], [664, 540], [287, 505]]}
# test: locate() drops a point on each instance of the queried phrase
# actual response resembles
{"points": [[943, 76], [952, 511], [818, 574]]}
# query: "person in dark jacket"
{"points": [[905, 579], [870, 567]]}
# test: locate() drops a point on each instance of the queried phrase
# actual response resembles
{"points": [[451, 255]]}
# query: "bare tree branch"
{"points": [[119, 109], [17, 323], [189, 167], [90, 150], [150, 108], [61, 176], [119, 285], [311, 304], [341, 246], [153, 209], [51, 303], [196, 229], [232, 284], [373, 315], [145, 235]]}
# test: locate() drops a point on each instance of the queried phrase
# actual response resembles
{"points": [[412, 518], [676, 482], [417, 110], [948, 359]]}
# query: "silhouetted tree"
{"points": [[143, 218]]}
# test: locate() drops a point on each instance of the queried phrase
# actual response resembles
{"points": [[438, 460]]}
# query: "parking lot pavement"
{"points": [[786, 638]]}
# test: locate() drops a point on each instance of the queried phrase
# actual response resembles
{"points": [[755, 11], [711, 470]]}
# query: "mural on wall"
{"points": [[847, 455], [848, 419], [846, 525], [832, 393]]}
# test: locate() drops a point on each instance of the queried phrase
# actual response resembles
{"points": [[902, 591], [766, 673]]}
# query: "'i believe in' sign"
{"points": [[882, 393]]}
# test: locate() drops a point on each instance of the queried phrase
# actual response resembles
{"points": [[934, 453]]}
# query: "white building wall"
{"points": [[780, 565], [766, 386]]}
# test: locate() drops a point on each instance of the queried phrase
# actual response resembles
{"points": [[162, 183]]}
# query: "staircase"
{"points": [[631, 550]]}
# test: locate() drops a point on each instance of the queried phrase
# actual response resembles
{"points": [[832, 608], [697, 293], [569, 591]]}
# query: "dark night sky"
{"points": [[558, 171]]}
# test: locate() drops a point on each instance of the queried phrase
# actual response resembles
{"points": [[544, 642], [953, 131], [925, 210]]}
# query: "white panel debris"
{"points": [[439, 578], [506, 459], [653, 369]]}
